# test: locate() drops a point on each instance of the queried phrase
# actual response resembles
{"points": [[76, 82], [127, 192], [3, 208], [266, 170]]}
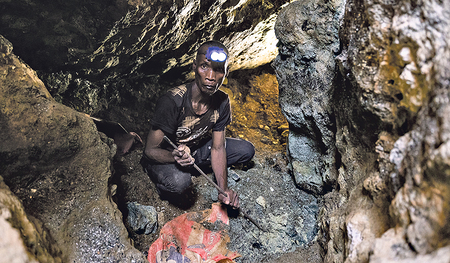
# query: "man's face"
{"points": [[209, 74]]}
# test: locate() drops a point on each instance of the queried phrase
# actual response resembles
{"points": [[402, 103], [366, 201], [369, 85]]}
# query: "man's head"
{"points": [[210, 66], [214, 50]]}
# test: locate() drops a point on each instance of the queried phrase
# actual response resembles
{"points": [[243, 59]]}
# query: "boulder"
{"points": [[308, 43]]}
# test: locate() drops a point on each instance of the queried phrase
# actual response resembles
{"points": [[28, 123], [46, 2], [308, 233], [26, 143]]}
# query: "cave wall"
{"points": [[54, 160], [385, 112], [364, 86], [109, 59]]}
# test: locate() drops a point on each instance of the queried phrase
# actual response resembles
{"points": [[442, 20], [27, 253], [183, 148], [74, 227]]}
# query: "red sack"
{"points": [[186, 239]]}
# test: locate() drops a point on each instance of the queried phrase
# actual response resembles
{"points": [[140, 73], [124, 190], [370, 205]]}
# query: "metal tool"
{"points": [[217, 187]]}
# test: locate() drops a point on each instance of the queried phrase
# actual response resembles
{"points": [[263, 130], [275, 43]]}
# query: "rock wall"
{"points": [[384, 109], [55, 162], [308, 33], [23, 239]]}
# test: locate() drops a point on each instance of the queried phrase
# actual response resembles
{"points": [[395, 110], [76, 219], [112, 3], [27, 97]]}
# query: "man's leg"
{"points": [[169, 179], [238, 151]]}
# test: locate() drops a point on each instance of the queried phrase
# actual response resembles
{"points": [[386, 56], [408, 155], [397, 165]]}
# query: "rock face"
{"points": [[364, 85], [23, 240], [384, 110], [308, 33], [56, 163]]}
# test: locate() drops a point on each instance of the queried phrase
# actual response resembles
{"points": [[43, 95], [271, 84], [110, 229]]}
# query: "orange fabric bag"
{"points": [[196, 237]]}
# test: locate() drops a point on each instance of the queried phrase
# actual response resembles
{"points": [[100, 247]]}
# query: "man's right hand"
{"points": [[182, 155], [232, 198]]}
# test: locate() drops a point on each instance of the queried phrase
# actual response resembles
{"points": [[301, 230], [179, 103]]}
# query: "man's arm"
{"points": [[219, 166], [154, 152]]}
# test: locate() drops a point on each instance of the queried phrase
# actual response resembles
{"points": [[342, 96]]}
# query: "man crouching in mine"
{"points": [[195, 116]]}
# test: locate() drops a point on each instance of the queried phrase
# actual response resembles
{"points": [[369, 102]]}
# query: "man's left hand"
{"points": [[232, 199]]}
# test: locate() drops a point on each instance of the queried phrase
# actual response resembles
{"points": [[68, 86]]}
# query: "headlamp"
{"points": [[216, 54]]}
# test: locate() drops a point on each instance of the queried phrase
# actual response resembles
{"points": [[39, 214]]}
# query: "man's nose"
{"points": [[210, 74]]}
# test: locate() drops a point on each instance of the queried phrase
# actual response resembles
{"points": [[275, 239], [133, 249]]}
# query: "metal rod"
{"points": [[217, 187]]}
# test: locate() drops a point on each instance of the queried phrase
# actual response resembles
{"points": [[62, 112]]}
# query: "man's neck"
{"points": [[200, 101], [199, 97]]}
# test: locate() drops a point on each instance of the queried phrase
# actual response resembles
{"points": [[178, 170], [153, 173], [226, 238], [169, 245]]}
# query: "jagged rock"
{"points": [[420, 204], [388, 93], [261, 201], [390, 87], [22, 238], [439, 256], [53, 159], [308, 35], [142, 218]]}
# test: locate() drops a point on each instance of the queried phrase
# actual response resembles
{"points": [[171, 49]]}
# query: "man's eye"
{"points": [[204, 66]]}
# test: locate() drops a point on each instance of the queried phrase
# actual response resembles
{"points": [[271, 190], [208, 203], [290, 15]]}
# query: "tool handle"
{"points": [[210, 180], [198, 169]]}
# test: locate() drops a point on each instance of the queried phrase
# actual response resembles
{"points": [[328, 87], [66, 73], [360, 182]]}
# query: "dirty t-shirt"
{"points": [[176, 118]]}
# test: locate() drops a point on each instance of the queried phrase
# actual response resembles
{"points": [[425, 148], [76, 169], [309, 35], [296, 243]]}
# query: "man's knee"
{"points": [[168, 178], [247, 151], [177, 184], [239, 151]]}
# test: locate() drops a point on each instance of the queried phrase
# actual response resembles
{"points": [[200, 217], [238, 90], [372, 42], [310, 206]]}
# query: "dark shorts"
{"points": [[172, 178]]}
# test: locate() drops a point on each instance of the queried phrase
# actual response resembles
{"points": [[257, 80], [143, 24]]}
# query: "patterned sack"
{"points": [[196, 237]]}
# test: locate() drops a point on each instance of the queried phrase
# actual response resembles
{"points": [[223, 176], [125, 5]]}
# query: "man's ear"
{"points": [[194, 64]]}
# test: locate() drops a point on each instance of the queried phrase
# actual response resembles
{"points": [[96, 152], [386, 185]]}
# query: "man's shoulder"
{"points": [[221, 95], [176, 95], [178, 91]]}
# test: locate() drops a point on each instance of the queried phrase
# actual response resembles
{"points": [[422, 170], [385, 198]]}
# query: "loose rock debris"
{"points": [[267, 193]]}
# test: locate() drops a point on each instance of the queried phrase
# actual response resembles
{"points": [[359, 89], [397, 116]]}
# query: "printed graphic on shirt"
{"points": [[214, 116], [180, 90], [198, 133], [183, 132], [190, 122]]}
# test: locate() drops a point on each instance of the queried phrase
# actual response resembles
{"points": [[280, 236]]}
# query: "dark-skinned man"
{"points": [[195, 116]]}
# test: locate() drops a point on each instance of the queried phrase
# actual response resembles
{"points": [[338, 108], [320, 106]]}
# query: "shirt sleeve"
{"points": [[224, 115], [165, 115]]}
